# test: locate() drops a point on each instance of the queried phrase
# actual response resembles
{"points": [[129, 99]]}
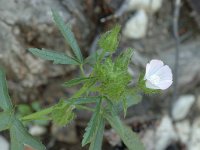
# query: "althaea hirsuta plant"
{"points": [[107, 87]]}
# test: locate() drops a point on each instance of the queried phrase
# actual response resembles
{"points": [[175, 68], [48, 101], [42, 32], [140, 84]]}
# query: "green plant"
{"points": [[109, 80]]}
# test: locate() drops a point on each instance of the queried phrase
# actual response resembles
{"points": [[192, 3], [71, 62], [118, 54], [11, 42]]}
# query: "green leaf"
{"points": [[109, 41], [5, 102], [63, 113], [96, 143], [24, 109], [36, 106], [76, 81], [124, 106], [20, 137], [56, 57], [133, 99], [130, 139], [68, 35], [130, 100], [92, 125], [5, 120]]}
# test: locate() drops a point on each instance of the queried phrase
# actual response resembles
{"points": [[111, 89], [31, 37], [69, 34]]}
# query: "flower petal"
{"points": [[165, 73], [164, 84], [153, 67], [147, 71], [150, 85]]}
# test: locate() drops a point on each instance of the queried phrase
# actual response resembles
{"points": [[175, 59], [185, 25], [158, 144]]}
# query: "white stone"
{"points": [[37, 130], [112, 137], [165, 134], [194, 143], [182, 106], [4, 145], [136, 26], [148, 140], [183, 130], [148, 5]]}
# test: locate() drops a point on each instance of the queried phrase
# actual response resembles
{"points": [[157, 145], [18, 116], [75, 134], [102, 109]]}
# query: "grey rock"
{"points": [[198, 102], [183, 129], [26, 24], [136, 26], [182, 106], [149, 139], [165, 134], [189, 61], [194, 142]]}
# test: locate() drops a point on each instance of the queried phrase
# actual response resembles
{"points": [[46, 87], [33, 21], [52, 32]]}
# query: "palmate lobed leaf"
{"points": [[92, 126], [56, 57], [68, 35], [5, 101], [5, 120], [96, 143], [129, 138], [20, 137], [8, 120]]}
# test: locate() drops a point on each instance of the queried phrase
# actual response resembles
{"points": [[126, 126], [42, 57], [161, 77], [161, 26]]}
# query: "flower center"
{"points": [[155, 79]]}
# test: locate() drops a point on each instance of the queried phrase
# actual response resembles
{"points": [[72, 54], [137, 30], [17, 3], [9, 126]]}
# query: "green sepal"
{"points": [[62, 113], [109, 41]]}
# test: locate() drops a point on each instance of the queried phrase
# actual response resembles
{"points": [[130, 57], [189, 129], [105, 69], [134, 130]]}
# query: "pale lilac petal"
{"points": [[164, 84], [147, 71], [165, 73], [150, 85], [154, 66], [157, 75]]}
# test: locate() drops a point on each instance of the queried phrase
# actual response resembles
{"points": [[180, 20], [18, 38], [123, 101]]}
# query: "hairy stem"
{"points": [[37, 115], [85, 108], [82, 71]]}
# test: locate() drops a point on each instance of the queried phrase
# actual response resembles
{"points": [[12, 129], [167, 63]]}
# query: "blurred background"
{"points": [[156, 29]]}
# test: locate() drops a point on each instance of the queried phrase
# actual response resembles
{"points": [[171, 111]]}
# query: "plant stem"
{"points": [[85, 108], [82, 71], [38, 114]]}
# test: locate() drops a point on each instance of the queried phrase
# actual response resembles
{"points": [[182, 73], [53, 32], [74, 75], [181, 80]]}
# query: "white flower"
{"points": [[158, 75]]}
